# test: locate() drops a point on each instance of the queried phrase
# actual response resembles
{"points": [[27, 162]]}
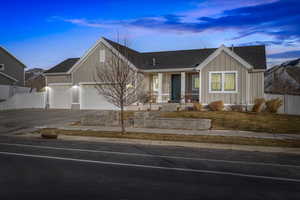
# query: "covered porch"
{"points": [[174, 87]]}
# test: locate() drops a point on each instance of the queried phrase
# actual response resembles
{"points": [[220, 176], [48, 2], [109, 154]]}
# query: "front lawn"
{"points": [[260, 122]]}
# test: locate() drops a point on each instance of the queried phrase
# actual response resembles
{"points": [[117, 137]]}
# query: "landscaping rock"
{"points": [[169, 107], [173, 123]]}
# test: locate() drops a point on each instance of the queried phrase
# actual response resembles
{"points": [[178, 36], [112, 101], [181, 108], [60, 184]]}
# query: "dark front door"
{"points": [[176, 87]]}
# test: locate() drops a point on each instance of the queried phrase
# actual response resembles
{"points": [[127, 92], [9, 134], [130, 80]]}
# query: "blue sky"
{"points": [[43, 33]]}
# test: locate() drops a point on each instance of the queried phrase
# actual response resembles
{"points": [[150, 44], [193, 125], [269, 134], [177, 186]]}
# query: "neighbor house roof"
{"points": [[254, 55], [63, 67], [3, 50]]}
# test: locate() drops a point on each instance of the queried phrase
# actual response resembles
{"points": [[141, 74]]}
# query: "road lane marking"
{"points": [[154, 167], [151, 155]]}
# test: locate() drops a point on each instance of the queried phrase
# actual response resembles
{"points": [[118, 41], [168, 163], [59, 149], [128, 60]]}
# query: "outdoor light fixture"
{"points": [[129, 86], [75, 86]]}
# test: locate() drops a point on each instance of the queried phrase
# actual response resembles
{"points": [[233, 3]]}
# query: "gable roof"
{"points": [[63, 67], [3, 50], [254, 55], [251, 55]]}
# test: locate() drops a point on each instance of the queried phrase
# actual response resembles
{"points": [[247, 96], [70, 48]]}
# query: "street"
{"points": [[56, 169]]}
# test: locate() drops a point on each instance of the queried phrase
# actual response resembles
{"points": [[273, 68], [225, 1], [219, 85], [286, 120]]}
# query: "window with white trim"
{"points": [[223, 82], [1, 67], [155, 82], [102, 55], [195, 82]]}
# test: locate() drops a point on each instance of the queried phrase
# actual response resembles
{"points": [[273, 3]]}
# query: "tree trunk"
{"points": [[122, 118]]}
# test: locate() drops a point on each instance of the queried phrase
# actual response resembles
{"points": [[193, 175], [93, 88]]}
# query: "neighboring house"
{"points": [[35, 79], [11, 69], [234, 75]]}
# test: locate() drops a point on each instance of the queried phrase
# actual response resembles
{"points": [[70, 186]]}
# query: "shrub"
{"points": [[258, 103], [273, 105], [197, 106], [216, 106], [237, 108]]}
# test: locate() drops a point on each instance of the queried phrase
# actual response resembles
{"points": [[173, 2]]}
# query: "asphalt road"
{"points": [[17, 120], [54, 169]]}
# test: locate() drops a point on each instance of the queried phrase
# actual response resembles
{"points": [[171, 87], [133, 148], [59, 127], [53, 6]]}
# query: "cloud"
{"points": [[279, 19], [285, 55]]}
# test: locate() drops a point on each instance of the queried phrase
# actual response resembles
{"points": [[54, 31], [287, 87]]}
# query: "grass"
{"points": [[246, 121], [178, 138]]}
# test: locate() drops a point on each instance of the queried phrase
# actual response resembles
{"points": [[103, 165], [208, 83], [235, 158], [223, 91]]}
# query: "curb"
{"points": [[266, 149]]}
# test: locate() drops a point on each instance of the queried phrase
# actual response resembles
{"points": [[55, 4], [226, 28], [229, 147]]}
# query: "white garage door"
{"points": [[60, 97], [90, 99]]}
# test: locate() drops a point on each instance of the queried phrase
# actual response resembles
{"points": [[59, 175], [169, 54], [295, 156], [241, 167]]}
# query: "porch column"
{"points": [[160, 86], [183, 87], [200, 85]]}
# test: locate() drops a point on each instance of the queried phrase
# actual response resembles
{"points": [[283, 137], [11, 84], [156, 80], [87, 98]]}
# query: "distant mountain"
{"points": [[35, 79], [283, 78]]}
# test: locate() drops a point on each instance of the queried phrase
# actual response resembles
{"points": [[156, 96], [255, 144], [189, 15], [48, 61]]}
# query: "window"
{"points": [[155, 83], [223, 82], [195, 82], [1, 67], [102, 55]]}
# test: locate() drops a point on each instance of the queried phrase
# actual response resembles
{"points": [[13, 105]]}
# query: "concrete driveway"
{"points": [[13, 121]]}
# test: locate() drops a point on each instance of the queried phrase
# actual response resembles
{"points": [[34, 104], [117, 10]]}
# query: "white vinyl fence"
{"points": [[291, 103], [25, 100], [7, 91]]}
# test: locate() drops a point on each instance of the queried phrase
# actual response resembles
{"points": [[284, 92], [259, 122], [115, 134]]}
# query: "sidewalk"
{"points": [[229, 133]]}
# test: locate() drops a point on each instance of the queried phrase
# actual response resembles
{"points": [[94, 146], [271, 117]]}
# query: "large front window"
{"points": [[223, 82]]}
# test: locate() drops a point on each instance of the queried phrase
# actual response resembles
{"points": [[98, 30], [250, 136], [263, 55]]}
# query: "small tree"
{"points": [[117, 80]]}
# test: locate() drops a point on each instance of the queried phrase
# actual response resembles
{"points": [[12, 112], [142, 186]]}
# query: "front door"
{"points": [[176, 88]]}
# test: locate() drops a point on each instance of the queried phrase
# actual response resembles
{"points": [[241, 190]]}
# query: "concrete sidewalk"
{"points": [[229, 133], [236, 147]]}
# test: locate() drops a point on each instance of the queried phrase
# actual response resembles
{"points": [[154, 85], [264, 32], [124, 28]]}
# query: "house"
{"points": [[232, 74], [35, 79], [11, 74], [11, 69]]}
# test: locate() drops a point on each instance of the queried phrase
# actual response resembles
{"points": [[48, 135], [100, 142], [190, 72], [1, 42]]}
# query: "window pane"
{"points": [[230, 83], [216, 82], [195, 82]]}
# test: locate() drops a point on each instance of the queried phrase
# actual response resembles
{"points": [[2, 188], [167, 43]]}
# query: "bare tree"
{"points": [[117, 80]]}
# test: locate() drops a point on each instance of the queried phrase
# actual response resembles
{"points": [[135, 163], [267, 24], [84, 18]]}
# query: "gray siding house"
{"points": [[232, 74], [11, 69]]}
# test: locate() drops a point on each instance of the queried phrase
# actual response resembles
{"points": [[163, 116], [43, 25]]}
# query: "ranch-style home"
{"points": [[234, 75]]}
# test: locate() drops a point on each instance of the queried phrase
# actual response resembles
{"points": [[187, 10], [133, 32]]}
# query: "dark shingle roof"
{"points": [[64, 66], [254, 55]]}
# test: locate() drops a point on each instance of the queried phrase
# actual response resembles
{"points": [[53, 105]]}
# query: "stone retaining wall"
{"points": [[145, 120]]}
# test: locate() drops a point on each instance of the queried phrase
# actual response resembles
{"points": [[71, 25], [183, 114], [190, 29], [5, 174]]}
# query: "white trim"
{"points": [[228, 51], [91, 83], [169, 70], [222, 81], [200, 86], [160, 85], [58, 84], [9, 77], [55, 74]]}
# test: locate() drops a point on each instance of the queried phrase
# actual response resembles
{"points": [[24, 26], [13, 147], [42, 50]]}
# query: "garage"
{"points": [[60, 96], [90, 99]]}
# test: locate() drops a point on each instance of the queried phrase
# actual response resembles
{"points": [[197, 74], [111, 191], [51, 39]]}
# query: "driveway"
{"points": [[17, 120]]}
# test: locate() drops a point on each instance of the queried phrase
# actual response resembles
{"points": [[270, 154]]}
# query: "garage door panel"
{"points": [[90, 99], [60, 97]]}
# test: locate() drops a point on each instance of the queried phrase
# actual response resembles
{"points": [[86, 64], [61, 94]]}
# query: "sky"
{"points": [[44, 33]]}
